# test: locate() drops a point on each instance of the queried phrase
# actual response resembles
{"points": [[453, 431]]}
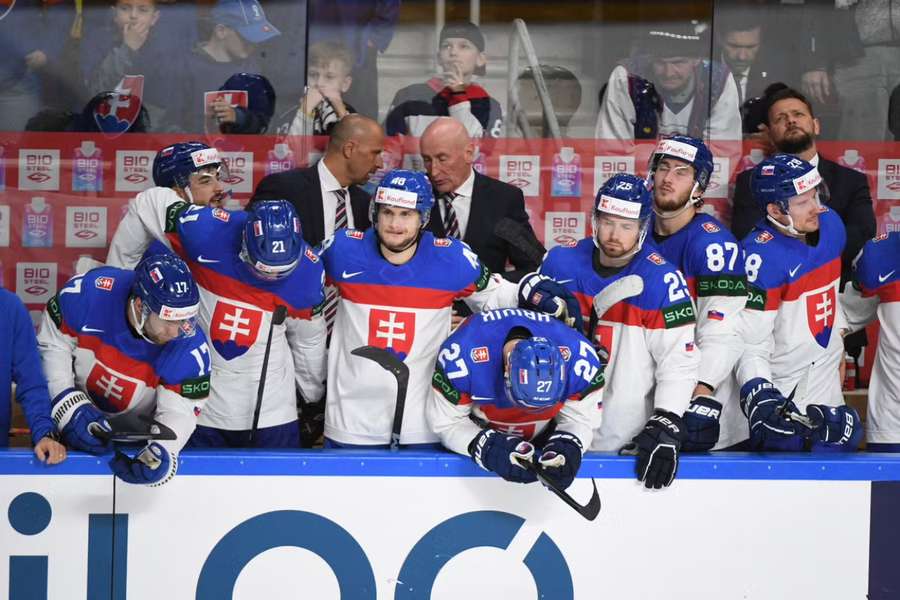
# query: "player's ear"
{"points": [[774, 210]]}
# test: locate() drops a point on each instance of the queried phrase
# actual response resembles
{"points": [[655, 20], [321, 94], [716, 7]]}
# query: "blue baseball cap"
{"points": [[246, 17]]}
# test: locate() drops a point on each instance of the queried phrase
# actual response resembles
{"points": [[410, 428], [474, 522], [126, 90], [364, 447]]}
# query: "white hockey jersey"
{"points": [[405, 308]]}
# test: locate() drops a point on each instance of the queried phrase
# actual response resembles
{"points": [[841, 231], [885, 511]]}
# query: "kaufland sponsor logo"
{"points": [[134, 170], [35, 282], [38, 169], [718, 182], [524, 172], [393, 197], [677, 149], [240, 171], [4, 226], [889, 178], [563, 228], [619, 208], [607, 166], [807, 182], [205, 156], [85, 226]]}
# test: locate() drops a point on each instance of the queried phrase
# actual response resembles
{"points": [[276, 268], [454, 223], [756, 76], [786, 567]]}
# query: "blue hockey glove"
{"points": [[769, 415], [539, 292], [77, 418], [701, 424], [840, 428], [500, 453], [561, 458], [152, 466], [656, 448]]}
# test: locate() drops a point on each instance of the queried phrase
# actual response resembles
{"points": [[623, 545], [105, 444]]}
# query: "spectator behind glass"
{"points": [[32, 34], [460, 57], [252, 119], [667, 89], [565, 95], [229, 37], [328, 79]]}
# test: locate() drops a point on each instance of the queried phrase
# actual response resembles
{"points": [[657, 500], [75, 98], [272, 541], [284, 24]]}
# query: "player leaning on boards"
{"points": [[876, 291], [653, 361], [397, 284], [708, 255], [794, 320], [515, 385], [124, 343]]}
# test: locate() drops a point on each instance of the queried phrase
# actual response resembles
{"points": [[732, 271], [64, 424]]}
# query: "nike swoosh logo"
{"points": [[347, 275], [482, 397], [883, 278], [560, 281], [87, 329], [206, 260], [795, 269]]}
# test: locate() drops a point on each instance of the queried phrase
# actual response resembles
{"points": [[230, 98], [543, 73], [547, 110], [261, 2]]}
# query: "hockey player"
{"points": [[708, 255], [794, 321], [247, 263], [124, 343], [397, 284], [653, 361], [876, 291], [509, 384]]}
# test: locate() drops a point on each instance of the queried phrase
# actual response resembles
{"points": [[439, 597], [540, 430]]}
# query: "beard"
{"points": [[795, 144]]}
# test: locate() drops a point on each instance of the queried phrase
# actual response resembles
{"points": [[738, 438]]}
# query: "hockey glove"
{"points": [[539, 292], [561, 458], [656, 448], [152, 466], [312, 422], [77, 419], [701, 424], [500, 453], [840, 428], [769, 415]]}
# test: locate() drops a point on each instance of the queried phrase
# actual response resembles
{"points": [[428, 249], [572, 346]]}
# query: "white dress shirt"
{"points": [[330, 185], [462, 205]]}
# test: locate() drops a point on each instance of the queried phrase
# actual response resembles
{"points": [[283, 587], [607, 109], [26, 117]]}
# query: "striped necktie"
{"points": [[331, 293], [340, 215], [451, 223]]}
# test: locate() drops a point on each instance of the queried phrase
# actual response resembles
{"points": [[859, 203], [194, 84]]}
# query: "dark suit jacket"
{"points": [[849, 197], [302, 188], [492, 200]]}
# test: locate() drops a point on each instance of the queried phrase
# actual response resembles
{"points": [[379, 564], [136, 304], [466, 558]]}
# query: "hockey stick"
{"points": [[155, 431], [618, 290], [589, 511], [799, 392], [278, 316], [517, 235], [389, 361]]}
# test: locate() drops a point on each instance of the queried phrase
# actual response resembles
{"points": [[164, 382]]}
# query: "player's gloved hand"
{"points": [[769, 414], [701, 424], [541, 293], [500, 452], [561, 458], [656, 448], [78, 419], [312, 422], [839, 428], [152, 466]]}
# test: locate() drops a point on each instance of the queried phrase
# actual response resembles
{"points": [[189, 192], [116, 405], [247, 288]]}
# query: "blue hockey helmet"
{"points": [[779, 178], [406, 189], [624, 195], [272, 243], [173, 165], [260, 95], [687, 149], [536, 377], [166, 287]]}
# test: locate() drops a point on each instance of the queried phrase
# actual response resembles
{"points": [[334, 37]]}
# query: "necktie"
{"points": [[451, 224], [340, 215], [331, 293]]}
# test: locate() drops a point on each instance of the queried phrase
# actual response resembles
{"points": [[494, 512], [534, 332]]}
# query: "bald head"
{"points": [[352, 127], [448, 153], [354, 149]]}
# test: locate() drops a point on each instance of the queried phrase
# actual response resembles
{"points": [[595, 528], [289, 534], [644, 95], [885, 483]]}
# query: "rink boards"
{"points": [[367, 525]]}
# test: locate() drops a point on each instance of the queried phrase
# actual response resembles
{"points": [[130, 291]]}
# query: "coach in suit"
{"points": [[489, 215], [327, 195], [792, 129]]}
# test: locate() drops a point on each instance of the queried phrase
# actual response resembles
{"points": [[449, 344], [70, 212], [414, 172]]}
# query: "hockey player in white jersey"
{"points": [[397, 284], [653, 359], [794, 321], [875, 292], [123, 344], [709, 256]]}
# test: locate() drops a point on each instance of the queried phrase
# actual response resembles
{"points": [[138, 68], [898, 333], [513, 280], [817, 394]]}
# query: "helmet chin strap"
{"points": [[788, 229], [691, 202], [139, 323]]}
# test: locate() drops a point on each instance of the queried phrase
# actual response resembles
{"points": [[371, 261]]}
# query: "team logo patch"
{"points": [[820, 311], [656, 259], [442, 242], [234, 329], [767, 170], [196, 411], [156, 275], [104, 283], [354, 234], [480, 354], [715, 315], [112, 391], [689, 347], [523, 377], [566, 352], [311, 255], [764, 237], [879, 238], [711, 227], [392, 330], [257, 228], [221, 214]]}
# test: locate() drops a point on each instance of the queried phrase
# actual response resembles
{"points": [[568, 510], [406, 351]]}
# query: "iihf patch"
{"points": [[715, 315], [689, 347], [711, 227], [566, 352], [312, 256], [196, 411], [442, 242], [480, 354], [568, 243], [764, 237], [656, 259], [767, 170], [354, 234], [880, 237], [156, 275], [221, 214], [104, 283]]}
